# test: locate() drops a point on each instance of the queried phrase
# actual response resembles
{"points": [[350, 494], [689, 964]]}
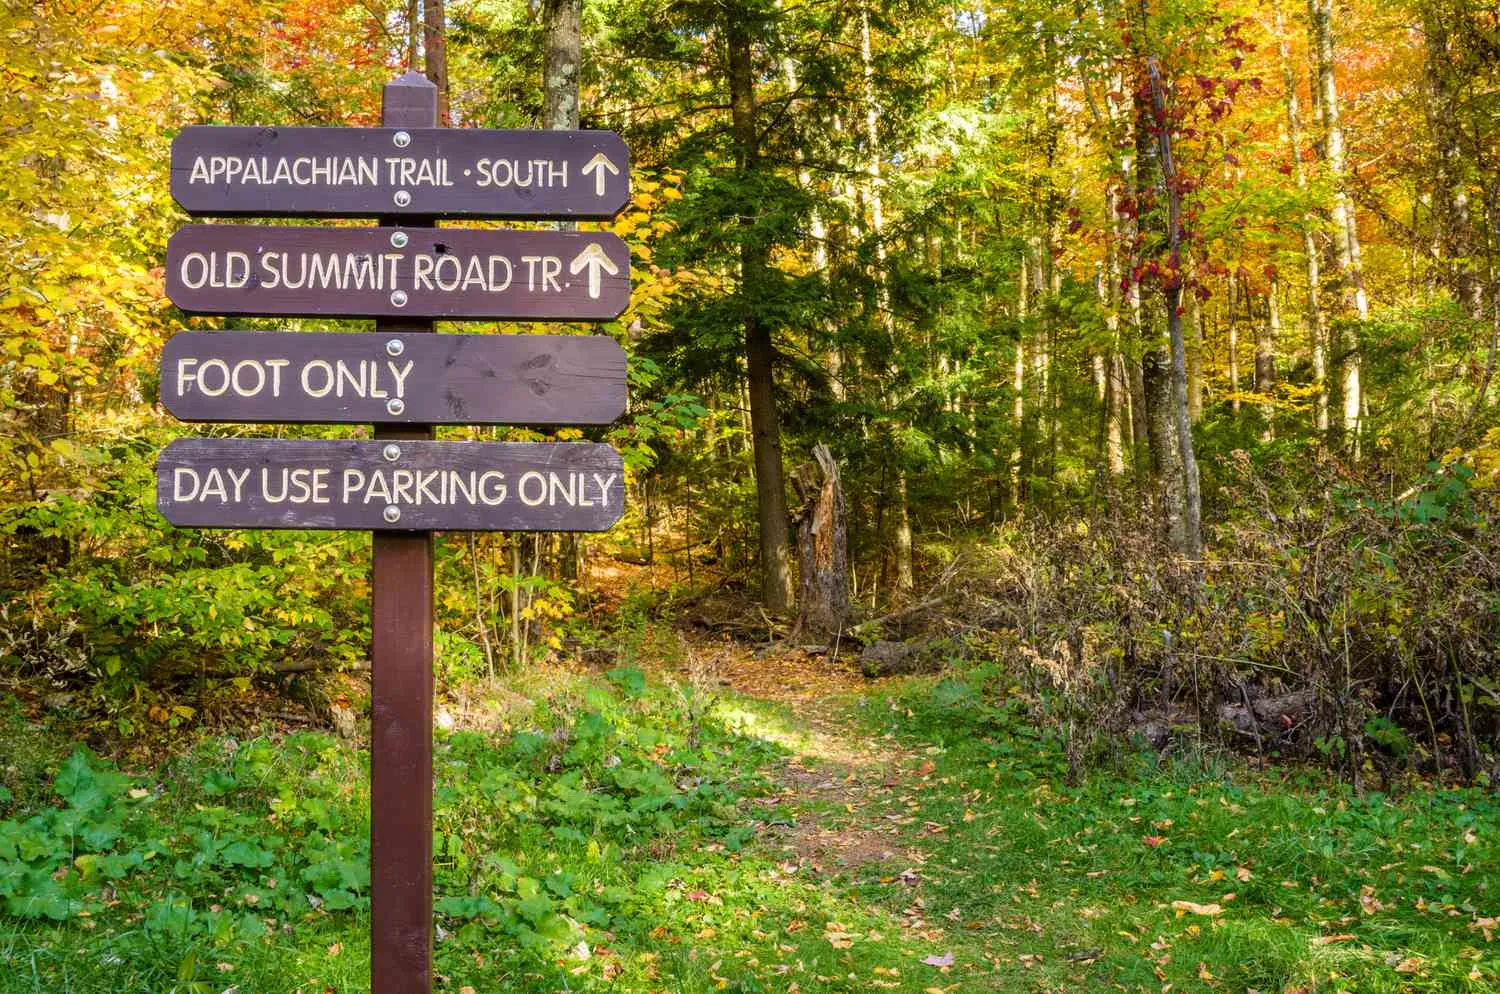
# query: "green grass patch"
{"points": [[621, 833], [1199, 874]]}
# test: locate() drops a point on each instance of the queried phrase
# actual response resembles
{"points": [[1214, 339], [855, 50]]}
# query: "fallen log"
{"points": [[1269, 717]]}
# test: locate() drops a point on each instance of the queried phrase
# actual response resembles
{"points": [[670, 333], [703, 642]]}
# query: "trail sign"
{"points": [[403, 379], [398, 272], [421, 172], [312, 378], [390, 485]]}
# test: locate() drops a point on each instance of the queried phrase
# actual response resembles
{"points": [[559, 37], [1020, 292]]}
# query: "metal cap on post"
{"points": [[401, 684]]}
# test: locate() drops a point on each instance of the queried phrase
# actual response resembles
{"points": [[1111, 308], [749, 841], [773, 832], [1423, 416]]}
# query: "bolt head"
{"points": [[391, 514], [395, 406], [392, 452], [401, 139], [399, 239], [402, 198], [398, 298], [395, 347]]}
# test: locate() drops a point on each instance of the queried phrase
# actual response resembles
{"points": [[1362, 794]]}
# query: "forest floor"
{"points": [[711, 816]]}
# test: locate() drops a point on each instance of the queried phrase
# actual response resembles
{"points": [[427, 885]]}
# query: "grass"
{"points": [[614, 833]]}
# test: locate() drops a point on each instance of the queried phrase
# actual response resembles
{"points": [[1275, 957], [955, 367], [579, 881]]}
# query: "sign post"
{"points": [[401, 685], [403, 379]]}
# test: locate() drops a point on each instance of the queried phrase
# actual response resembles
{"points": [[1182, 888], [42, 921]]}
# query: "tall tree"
{"points": [[1346, 246], [760, 353], [1312, 258], [435, 54], [562, 54]]}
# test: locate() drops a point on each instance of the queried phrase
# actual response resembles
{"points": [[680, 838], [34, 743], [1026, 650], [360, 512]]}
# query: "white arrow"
{"points": [[595, 259], [597, 165]]}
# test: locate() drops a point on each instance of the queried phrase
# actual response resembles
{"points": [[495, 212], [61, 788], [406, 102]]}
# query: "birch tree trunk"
{"points": [[1345, 231], [1316, 334], [1235, 292]]}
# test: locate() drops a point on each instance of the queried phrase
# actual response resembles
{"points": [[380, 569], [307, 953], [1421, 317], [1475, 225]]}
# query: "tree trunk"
{"points": [[435, 54], [1266, 334], [901, 544], [1316, 334], [1191, 543], [562, 54], [1018, 387], [760, 355], [1195, 360], [1450, 208], [1345, 231], [1140, 431], [1233, 347], [413, 32], [822, 549]]}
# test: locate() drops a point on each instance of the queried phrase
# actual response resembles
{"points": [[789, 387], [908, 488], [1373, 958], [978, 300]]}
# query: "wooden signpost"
{"points": [[406, 485], [403, 379], [391, 272], [419, 172], [272, 377]]}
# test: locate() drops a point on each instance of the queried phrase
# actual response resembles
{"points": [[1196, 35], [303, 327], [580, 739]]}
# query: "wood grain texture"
{"points": [[531, 486], [247, 269], [448, 379], [572, 185]]}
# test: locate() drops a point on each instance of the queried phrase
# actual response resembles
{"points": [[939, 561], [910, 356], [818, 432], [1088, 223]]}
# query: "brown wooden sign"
{"points": [[357, 378], [390, 485], [421, 172], [398, 272]]}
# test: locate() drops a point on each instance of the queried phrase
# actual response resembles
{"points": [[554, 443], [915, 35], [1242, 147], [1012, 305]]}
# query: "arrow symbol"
{"points": [[597, 165], [594, 259]]}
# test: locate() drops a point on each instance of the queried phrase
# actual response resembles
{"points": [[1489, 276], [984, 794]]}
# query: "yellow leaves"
{"points": [[1328, 940]]}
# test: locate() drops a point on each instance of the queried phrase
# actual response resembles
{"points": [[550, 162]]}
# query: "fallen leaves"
{"points": [[1189, 907], [1368, 902], [941, 961]]}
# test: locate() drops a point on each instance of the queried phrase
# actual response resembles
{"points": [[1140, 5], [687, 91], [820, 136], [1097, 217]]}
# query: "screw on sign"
{"points": [[403, 379], [420, 273], [476, 486], [427, 172], [271, 377]]}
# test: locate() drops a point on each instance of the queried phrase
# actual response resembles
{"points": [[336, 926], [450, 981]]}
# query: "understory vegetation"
{"points": [[625, 832]]}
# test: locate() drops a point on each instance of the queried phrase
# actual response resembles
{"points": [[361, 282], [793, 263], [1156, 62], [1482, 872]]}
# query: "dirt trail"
{"points": [[838, 786]]}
